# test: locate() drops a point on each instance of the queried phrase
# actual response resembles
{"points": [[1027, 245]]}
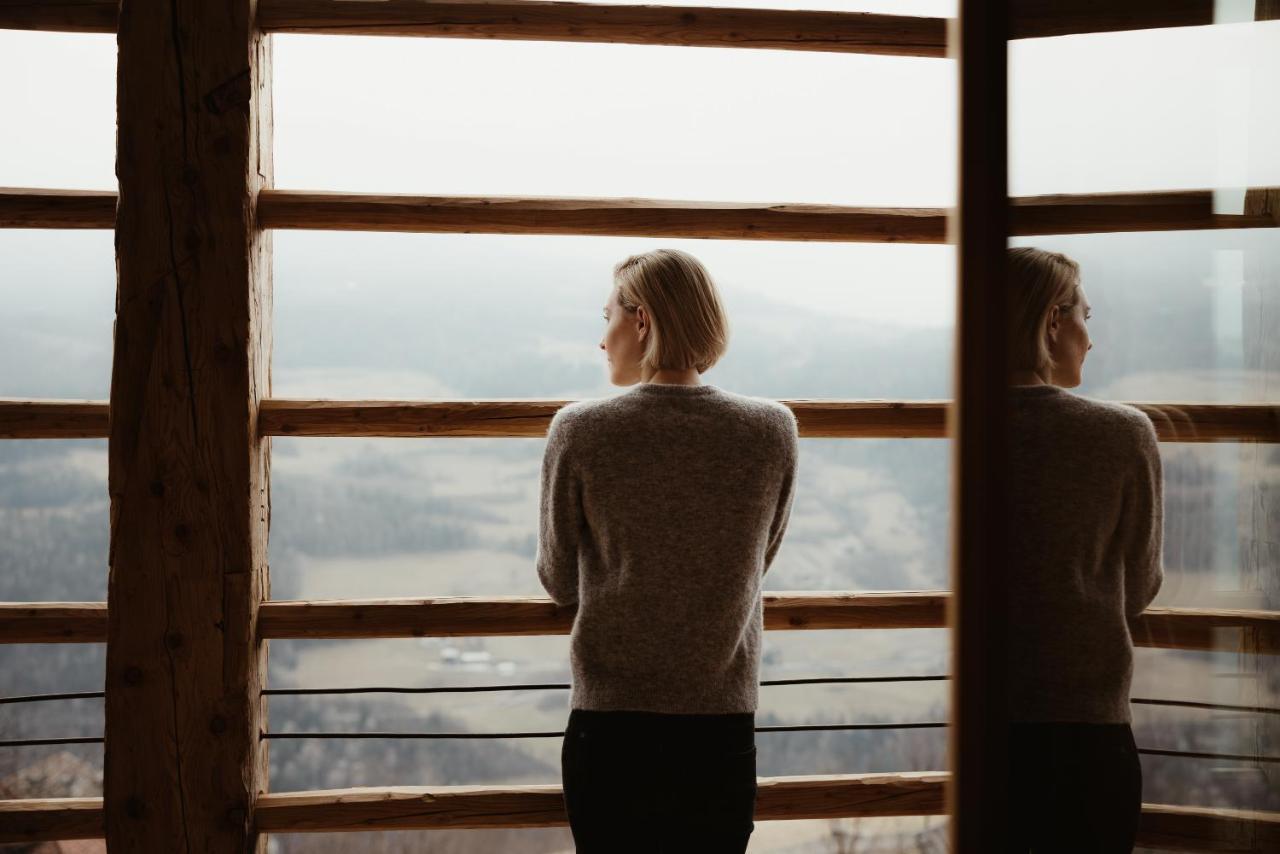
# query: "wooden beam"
{"points": [[517, 615], [463, 616], [66, 16], [612, 217], [633, 24], [978, 797], [515, 418], [1188, 210], [1208, 829], [29, 208], [53, 419], [1219, 629], [53, 622], [188, 473], [48, 819], [780, 799], [689, 26]]}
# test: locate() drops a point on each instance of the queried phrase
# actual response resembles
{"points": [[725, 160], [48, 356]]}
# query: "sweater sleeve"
{"points": [[561, 517], [788, 459], [1143, 523]]}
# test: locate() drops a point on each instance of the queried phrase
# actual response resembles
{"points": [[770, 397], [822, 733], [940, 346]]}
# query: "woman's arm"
{"points": [[561, 518], [1143, 523], [788, 459]]}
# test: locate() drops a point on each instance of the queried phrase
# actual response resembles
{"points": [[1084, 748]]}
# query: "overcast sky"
{"points": [[1179, 108]]}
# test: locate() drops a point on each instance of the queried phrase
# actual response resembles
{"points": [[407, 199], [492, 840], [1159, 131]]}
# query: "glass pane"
{"points": [[59, 104], [54, 520], [57, 309], [442, 116], [1188, 107]]}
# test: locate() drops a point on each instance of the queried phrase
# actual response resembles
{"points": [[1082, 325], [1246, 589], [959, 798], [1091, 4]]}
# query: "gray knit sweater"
{"points": [[1086, 536], [662, 508]]}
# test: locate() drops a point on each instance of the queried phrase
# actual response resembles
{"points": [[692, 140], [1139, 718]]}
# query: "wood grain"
{"points": [[528, 418], [188, 474]]}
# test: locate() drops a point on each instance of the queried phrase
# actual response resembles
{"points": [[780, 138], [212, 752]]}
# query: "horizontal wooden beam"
{"points": [[528, 418], [688, 26], [635, 24], [50, 819], [601, 217], [53, 419], [53, 622], [514, 615], [21, 207], [295, 209], [1174, 828], [779, 799], [505, 616]]}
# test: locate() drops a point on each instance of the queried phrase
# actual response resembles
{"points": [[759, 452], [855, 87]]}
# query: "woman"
{"points": [[1085, 537], [662, 508]]}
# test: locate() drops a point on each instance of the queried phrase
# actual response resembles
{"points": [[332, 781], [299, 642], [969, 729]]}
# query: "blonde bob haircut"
{"points": [[688, 326], [1038, 281]]}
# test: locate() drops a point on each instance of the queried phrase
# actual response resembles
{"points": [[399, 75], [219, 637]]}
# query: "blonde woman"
{"points": [[661, 510], [1086, 541]]}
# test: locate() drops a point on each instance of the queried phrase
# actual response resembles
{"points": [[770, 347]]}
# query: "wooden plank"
{"points": [[610, 217], [67, 16], [53, 419], [688, 26], [518, 615], [1041, 18], [1207, 829], [188, 474], [53, 622], [1158, 627], [32, 208], [47, 819], [1189, 210], [515, 418], [785, 29], [407, 808], [780, 799], [1225, 629], [529, 418]]}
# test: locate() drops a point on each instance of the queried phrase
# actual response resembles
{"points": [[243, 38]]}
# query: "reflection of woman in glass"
{"points": [[662, 508], [1085, 536]]}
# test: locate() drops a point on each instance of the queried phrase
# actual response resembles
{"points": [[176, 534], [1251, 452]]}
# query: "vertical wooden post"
{"points": [[188, 473], [978, 794]]}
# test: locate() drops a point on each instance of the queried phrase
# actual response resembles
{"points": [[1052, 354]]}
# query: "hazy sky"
{"points": [[1180, 108]]}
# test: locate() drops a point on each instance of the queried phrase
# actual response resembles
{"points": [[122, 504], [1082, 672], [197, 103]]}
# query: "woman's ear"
{"points": [[1052, 323], [642, 320]]}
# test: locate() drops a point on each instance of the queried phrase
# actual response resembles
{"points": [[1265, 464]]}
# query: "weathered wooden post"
{"points": [[188, 471]]}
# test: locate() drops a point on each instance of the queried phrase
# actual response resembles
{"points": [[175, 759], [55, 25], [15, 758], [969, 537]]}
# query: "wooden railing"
{"points": [[1159, 627], [779, 798], [532, 806], [818, 419], [692, 26], [1185, 210]]}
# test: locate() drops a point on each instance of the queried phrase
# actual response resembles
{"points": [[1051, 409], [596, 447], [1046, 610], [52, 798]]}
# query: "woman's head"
{"points": [[664, 313], [1048, 310]]}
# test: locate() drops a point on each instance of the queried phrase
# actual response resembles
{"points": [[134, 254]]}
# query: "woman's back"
{"points": [[1085, 532], [663, 507]]}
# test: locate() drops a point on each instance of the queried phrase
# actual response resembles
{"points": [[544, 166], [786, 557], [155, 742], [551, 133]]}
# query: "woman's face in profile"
{"points": [[621, 342], [1069, 342]]}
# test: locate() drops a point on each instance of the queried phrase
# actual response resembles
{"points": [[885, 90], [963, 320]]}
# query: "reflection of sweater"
{"points": [[1085, 534], [662, 508]]}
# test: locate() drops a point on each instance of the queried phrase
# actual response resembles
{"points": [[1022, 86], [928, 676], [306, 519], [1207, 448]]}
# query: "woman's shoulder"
{"points": [[1121, 421]]}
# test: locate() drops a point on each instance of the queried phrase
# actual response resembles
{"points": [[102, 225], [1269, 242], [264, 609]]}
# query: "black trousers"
{"points": [[1074, 787], [658, 783]]}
